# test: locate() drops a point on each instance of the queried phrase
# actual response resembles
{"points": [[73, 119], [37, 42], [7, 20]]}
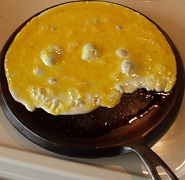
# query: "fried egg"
{"points": [[76, 57]]}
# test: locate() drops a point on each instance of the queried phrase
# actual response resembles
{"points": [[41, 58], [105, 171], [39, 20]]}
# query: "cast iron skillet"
{"points": [[139, 118]]}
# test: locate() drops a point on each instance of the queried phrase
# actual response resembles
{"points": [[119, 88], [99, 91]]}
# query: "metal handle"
{"points": [[150, 160]]}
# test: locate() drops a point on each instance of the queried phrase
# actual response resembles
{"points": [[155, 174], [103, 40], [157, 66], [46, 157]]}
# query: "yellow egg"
{"points": [[78, 56]]}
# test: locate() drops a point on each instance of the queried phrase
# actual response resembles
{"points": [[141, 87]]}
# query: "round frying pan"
{"points": [[139, 118]]}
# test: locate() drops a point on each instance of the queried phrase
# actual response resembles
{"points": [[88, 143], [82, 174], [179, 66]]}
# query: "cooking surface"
{"points": [[168, 147]]}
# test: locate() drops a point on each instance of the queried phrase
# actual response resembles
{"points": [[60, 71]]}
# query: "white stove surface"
{"points": [[21, 159]]}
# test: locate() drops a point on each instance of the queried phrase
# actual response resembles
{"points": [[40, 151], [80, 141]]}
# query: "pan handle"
{"points": [[150, 160]]}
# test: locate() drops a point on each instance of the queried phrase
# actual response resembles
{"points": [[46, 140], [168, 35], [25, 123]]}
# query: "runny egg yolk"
{"points": [[78, 56]]}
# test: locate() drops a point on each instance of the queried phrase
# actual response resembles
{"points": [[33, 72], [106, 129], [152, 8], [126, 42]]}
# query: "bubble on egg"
{"points": [[119, 87], [50, 54], [129, 67], [52, 81], [119, 27], [38, 71], [122, 53], [90, 52]]}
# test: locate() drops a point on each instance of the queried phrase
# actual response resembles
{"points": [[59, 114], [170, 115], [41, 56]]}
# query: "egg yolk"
{"points": [[78, 56]]}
